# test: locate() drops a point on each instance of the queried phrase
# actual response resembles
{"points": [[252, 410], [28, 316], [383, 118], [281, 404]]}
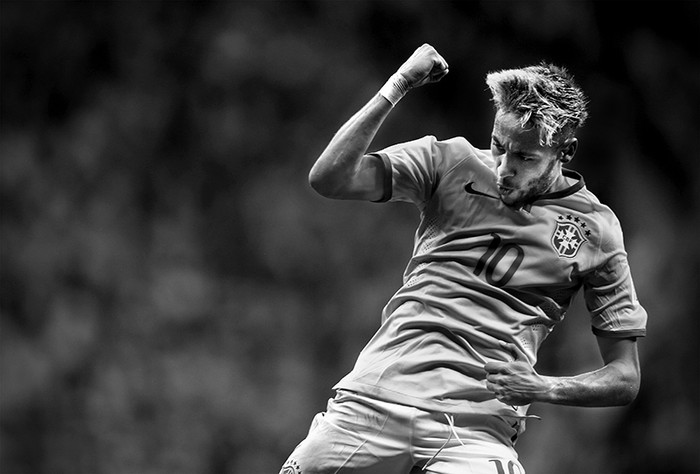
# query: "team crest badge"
{"points": [[569, 235], [290, 467]]}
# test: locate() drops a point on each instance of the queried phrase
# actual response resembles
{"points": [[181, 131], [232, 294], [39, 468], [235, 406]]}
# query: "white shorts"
{"points": [[358, 434]]}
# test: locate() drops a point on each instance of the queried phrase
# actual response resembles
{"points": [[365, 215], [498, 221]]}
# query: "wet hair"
{"points": [[544, 96]]}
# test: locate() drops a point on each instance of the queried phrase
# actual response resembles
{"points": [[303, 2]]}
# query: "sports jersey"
{"points": [[483, 274]]}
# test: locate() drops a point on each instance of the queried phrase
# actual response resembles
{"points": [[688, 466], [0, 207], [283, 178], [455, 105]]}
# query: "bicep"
{"points": [[364, 180], [371, 179]]}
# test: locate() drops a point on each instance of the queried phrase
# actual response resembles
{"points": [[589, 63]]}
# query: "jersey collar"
{"points": [[577, 186]]}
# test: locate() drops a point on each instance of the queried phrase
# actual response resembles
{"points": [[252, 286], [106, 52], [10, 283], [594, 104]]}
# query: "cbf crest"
{"points": [[569, 235]]}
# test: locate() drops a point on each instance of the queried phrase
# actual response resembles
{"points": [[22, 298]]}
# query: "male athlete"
{"points": [[506, 239]]}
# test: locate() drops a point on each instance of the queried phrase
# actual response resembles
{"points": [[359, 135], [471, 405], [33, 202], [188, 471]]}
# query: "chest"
{"points": [[551, 243]]}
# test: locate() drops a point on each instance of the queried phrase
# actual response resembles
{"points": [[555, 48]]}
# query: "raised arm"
{"points": [[344, 171], [616, 383]]}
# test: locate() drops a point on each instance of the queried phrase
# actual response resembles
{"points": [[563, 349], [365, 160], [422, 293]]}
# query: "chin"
{"points": [[509, 198], [513, 204]]}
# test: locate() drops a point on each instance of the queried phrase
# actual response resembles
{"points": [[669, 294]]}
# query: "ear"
{"points": [[568, 150]]}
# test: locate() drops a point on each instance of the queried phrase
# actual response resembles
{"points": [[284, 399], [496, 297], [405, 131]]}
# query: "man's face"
{"points": [[525, 168]]}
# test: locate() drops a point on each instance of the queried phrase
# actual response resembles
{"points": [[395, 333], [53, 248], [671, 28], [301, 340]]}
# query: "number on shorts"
{"points": [[511, 466]]}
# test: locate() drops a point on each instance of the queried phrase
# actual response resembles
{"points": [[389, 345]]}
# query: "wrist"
{"points": [[395, 88], [548, 391]]}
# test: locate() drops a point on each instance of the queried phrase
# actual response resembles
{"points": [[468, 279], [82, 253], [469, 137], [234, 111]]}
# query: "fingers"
{"points": [[499, 377], [492, 383], [424, 66], [440, 67], [501, 392], [494, 378], [495, 367], [497, 384], [495, 374], [513, 354], [513, 351], [439, 72], [493, 388]]}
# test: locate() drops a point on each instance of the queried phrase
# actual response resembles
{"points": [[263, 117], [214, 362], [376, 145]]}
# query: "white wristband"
{"points": [[395, 88]]}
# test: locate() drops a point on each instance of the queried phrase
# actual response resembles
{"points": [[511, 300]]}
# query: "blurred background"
{"points": [[174, 297]]}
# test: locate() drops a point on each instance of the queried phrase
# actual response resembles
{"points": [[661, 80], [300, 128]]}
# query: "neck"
{"points": [[559, 183]]}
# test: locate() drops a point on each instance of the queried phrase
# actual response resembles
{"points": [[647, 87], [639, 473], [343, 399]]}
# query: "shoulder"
{"points": [[603, 216], [459, 150], [440, 154], [455, 146], [462, 147], [603, 228]]}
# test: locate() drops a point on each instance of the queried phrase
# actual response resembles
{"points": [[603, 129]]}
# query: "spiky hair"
{"points": [[544, 96]]}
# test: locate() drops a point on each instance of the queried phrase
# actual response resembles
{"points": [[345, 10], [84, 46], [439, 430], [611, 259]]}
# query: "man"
{"points": [[507, 238]]}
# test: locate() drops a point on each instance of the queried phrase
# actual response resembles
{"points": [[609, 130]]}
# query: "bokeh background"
{"points": [[175, 298]]}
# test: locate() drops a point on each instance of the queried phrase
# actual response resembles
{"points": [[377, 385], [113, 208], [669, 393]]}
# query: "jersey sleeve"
{"points": [[609, 291], [413, 169]]}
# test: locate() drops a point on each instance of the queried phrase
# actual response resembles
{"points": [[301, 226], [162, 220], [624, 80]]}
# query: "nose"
{"points": [[504, 169]]}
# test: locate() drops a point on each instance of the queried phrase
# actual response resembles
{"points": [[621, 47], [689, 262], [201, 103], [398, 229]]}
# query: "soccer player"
{"points": [[507, 237]]}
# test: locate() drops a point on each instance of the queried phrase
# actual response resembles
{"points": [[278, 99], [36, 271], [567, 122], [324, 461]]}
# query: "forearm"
{"points": [[337, 171], [614, 384], [611, 385], [343, 170]]}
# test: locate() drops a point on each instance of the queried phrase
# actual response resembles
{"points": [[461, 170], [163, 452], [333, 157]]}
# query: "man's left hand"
{"points": [[516, 383]]}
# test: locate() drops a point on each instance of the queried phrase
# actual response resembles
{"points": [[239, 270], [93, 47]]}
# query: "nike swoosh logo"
{"points": [[469, 188]]}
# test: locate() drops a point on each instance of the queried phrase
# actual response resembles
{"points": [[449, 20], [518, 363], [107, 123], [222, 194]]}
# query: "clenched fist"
{"points": [[423, 66]]}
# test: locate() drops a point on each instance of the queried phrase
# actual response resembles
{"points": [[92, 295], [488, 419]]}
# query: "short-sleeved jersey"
{"points": [[483, 274]]}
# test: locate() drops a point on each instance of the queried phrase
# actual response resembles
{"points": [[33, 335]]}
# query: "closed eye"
{"points": [[496, 145], [523, 157]]}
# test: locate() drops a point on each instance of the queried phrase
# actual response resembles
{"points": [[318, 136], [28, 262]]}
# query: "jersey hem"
{"points": [[457, 407]]}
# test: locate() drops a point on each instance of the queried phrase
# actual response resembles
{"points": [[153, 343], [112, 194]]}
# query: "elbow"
{"points": [[320, 183], [632, 391], [628, 389], [328, 181], [628, 394]]}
